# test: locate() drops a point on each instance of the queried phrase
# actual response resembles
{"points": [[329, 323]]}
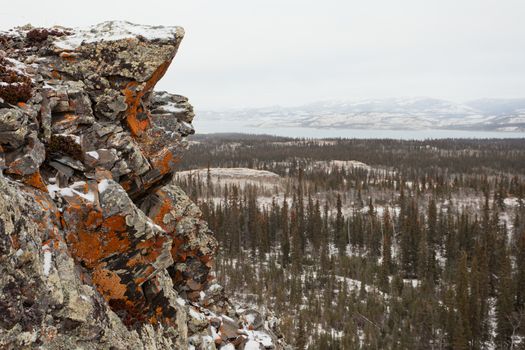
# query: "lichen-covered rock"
{"points": [[44, 300], [193, 247], [98, 249]]}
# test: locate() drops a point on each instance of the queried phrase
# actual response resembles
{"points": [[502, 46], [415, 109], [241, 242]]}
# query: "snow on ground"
{"points": [[348, 164], [237, 176], [258, 337], [492, 323], [354, 285], [511, 202], [305, 142]]}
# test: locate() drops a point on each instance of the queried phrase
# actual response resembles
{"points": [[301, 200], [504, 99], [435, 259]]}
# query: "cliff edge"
{"points": [[98, 248]]}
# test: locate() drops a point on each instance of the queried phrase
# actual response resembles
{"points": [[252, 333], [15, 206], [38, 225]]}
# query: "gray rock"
{"points": [[98, 249]]}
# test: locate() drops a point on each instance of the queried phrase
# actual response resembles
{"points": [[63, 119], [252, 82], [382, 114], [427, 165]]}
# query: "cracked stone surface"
{"points": [[98, 248]]}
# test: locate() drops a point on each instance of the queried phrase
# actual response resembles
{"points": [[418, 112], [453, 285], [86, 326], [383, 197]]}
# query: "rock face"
{"points": [[98, 248]]}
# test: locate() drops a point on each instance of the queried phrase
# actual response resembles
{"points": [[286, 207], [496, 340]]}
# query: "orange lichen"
{"points": [[177, 252], [134, 100], [164, 209], [55, 74], [85, 246], [206, 259], [35, 180], [65, 119], [150, 251], [67, 56], [15, 241], [103, 174], [90, 244], [109, 284], [115, 223], [94, 219], [165, 162], [126, 185], [156, 76], [147, 272]]}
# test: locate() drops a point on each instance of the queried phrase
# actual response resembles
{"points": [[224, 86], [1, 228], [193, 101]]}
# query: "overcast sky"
{"points": [[256, 53]]}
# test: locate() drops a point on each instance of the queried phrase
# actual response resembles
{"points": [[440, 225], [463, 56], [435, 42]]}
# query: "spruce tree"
{"points": [[504, 302]]}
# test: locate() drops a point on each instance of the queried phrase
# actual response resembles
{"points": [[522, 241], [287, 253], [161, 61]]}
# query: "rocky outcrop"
{"points": [[98, 248]]}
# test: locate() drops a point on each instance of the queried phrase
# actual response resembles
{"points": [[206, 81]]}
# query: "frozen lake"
{"points": [[235, 126]]}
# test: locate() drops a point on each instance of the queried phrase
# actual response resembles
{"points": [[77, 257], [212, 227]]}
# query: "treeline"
{"points": [[464, 156]]}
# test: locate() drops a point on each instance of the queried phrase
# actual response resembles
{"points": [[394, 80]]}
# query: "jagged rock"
{"points": [[193, 246], [13, 127], [43, 300], [98, 249]]}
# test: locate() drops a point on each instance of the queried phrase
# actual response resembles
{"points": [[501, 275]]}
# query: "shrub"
{"points": [[14, 87], [59, 144], [41, 34]]}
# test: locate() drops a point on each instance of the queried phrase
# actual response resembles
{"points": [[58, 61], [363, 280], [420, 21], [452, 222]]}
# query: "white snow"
{"points": [[181, 301], [229, 346], [262, 338], [171, 107], [511, 202], [17, 66], [47, 259], [3, 83], [238, 176], [103, 186], [233, 173], [93, 154], [116, 30], [227, 318], [196, 315], [251, 345], [250, 318], [70, 191], [154, 225]]}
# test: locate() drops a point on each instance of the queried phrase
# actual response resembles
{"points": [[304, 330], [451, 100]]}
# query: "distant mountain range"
{"points": [[390, 114]]}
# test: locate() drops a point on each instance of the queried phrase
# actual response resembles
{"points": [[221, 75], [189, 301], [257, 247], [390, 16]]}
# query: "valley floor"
{"points": [[370, 244]]}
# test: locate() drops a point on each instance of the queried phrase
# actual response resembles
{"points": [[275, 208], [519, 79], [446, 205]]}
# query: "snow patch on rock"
{"points": [[114, 31], [47, 259]]}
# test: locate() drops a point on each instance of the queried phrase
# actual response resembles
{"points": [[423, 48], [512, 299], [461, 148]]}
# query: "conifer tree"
{"points": [[285, 235], [340, 235], [504, 302], [462, 301]]}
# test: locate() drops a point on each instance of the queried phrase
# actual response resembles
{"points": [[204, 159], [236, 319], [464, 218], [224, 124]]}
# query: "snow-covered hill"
{"points": [[393, 114]]}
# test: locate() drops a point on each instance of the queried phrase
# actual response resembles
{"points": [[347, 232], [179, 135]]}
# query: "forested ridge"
{"points": [[420, 247]]}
